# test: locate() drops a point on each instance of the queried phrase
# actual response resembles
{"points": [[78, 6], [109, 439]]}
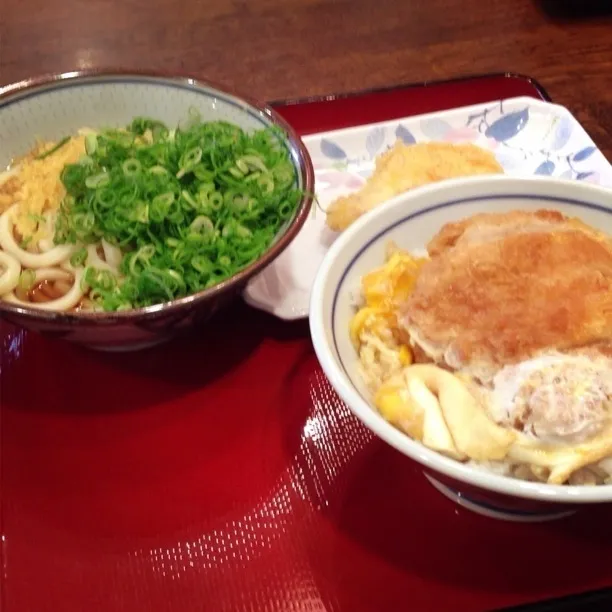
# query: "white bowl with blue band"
{"points": [[410, 221]]}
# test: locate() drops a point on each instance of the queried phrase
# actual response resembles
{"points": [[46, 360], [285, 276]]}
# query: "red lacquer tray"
{"points": [[221, 472]]}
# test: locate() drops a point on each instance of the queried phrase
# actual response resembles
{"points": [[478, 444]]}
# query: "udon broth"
{"points": [[35, 271], [126, 218]]}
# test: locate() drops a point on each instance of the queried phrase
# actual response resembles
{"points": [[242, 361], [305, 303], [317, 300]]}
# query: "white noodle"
{"points": [[45, 245], [10, 276], [112, 254], [66, 265], [51, 274], [95, 261], [29, 260], [66, 302]]}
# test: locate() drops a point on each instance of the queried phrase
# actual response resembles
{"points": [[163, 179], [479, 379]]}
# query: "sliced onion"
{"points": [[10, 277], [473, 432], [66, 302], [29, 260]]}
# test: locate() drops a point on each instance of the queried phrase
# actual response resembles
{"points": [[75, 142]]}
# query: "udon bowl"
{"points": [[51, 107], [410, 221]]}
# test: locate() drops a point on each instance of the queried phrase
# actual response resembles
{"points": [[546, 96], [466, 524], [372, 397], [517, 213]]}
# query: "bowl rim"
{"points": [[319, 322], [297, 149]]}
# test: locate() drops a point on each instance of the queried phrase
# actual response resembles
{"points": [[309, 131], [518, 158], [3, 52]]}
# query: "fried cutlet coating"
{"points": [[488, 302]]}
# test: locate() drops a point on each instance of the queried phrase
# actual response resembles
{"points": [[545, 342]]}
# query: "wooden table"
{"points": [[275, 49], [117, 550]]}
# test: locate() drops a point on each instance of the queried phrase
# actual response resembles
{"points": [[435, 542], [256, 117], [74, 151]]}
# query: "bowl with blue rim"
{"points": [[497, 488]]}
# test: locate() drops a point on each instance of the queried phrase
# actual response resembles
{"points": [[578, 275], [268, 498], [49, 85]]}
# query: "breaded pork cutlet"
{"points": [[501, 288]]}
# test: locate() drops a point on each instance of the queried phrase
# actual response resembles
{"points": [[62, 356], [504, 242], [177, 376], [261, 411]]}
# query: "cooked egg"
{"points": [[391, 284], [561, 407], [558, 399], [374, 329]]}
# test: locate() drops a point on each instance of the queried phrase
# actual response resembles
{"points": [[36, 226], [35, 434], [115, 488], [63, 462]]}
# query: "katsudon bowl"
{"points": [[410, 221], [159, 110]]}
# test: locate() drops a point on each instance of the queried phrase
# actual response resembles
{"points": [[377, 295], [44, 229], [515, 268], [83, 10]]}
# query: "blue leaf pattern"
{"points": [[562, 133], [404, 134], [545, 168], [508, 125], [332, 150], [435, 129], [554, 147], [375, 140], [584, 154]]}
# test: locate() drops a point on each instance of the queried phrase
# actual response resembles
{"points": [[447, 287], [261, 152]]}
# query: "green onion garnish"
{"points": [[79, 257], [27, 279], [187, 207], [97, 180], [91, 144]]}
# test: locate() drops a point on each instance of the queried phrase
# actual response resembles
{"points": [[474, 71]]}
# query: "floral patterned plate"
{"points": [[528, 137]]}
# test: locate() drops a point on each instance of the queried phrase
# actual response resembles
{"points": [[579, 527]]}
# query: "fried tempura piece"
{"points": [[404, 167], [481, 304]]}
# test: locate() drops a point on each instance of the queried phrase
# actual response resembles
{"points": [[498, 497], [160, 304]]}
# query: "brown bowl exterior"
{"points": [[111, 333], [139, 328]]}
